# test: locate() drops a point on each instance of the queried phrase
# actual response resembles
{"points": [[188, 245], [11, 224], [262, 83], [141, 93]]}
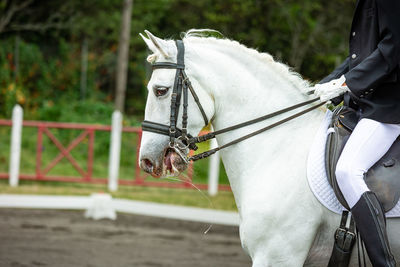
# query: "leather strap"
{"points": [[167, 65], [350, 236], [176, 92], [195, 97], [185, 111], [159, 128], [344, 242], [212, 151], [211, 135]]}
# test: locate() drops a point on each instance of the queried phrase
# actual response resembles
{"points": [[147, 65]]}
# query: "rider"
{"points": [[369, 82]]}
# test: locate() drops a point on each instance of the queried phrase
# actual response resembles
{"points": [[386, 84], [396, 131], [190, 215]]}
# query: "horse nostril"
{"points": [[147, 165]]}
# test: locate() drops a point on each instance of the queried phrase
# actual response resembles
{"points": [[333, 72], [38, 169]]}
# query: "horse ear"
{"points": [[155, 44], [149, 44]]}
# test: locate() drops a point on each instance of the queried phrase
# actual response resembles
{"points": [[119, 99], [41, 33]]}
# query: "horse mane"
{"points": [[213, 36], [209, 35]]}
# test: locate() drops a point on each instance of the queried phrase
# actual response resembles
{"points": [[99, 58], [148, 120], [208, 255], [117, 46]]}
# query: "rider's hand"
{"points": [[332, 89]]}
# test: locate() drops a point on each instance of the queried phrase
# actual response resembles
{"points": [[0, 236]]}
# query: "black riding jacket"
{"points": [[372, 68]]}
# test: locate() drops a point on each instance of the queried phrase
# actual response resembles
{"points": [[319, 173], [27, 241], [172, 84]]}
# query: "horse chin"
{"points": [[173, 164]]}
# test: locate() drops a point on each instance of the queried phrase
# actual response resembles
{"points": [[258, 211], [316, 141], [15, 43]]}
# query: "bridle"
{"points": [[180, 139]]}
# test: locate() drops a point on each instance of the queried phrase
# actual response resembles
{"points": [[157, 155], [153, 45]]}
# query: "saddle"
{"points": [[383, 178]]}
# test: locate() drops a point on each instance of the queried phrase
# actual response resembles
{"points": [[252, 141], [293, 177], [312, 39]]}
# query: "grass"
{"points": [[184, 197]]}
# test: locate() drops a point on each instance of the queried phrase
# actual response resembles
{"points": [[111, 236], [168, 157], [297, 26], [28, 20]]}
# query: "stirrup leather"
{"points": [[345, 238]]}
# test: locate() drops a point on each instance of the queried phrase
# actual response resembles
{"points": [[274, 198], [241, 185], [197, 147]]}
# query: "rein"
{"points": [[180, 140], [212, 135]]}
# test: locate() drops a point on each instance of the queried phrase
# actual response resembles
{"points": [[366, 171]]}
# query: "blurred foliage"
{"points": [[40, 51]]}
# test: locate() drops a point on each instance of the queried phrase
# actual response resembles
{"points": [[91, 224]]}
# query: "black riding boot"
{"points": [[371, 223]]}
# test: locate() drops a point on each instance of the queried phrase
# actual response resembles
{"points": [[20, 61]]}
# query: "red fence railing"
{"points": [[42, 168]]}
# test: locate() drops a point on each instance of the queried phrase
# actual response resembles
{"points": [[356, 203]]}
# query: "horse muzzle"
{"points": [[169, 163]]}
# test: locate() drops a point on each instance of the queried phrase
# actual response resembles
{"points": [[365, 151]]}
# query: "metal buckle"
{"points": [[351, 233], [177, 149], [171, 145], [340, 230], [172, 131], [345, 232], [181, 154], [181, 145]]}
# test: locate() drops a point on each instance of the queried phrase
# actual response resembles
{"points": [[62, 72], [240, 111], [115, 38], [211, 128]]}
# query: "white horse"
{"points": [[281, 222]]}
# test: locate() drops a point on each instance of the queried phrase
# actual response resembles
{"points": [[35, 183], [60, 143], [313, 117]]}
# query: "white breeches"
{"points": [[368, 143]]}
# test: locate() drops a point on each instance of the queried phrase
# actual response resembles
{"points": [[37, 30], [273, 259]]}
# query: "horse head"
{"points": [[157, 155]]}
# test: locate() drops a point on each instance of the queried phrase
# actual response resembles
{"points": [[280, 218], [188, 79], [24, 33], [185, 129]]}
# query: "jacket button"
{"points": [[353, 56], [354, 34]]}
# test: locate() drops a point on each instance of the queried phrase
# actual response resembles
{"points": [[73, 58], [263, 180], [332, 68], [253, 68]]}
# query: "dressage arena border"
{"points": [[121, 205]]}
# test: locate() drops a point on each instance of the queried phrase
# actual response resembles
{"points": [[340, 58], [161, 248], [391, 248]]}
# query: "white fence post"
{"points": [[213, 171], [15, 150], [115, 149]]}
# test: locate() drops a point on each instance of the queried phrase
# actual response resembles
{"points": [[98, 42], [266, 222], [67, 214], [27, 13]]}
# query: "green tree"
{"points": [[40, 52]]}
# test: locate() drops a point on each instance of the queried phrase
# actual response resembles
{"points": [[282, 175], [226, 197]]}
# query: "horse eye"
{"points": [[160, 91]]}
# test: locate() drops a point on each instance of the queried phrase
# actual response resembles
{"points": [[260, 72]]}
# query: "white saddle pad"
{"points": [[316, 173]]}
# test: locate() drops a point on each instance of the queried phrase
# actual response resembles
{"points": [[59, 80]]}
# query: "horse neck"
{"points": [[235, 79], [244, 88]]}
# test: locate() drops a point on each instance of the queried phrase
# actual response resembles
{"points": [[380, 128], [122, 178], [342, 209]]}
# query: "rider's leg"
{"points": [[369, 141]]}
